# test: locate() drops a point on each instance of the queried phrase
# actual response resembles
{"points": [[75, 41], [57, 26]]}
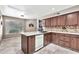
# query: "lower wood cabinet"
{"points": [[47, 38], [24, 44], [55, 38], [28, 44], [64, 40], [31, 44], [73, 42], [64, 44], [77, 38]]}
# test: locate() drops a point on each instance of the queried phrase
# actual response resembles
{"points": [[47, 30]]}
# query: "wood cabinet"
{"points": [[77, 38], [66, 40], [61, 39], [31, 44], [24, 43], [48, 22], [61, 20], [47, 38], [71, 19], [73, 42], [55, 38], [53, 21], [78, 19], [28, 44]]}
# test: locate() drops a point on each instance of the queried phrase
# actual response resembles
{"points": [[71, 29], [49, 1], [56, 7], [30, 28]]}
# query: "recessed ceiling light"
{"points": [[53, 8]]}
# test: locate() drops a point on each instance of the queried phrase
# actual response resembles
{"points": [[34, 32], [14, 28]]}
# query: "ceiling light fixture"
{"points": [[53, 8]]}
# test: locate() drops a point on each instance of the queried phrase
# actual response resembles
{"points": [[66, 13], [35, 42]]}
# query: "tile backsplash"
{"points": [[73, 29]]}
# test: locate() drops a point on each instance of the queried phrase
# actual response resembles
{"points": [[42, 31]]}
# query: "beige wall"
{"points": [[29, 29]]}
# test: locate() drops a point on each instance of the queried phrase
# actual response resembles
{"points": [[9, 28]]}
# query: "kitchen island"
{"points": [[32, 41]]}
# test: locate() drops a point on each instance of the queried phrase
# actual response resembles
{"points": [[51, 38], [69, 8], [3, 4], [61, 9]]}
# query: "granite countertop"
{"points": [[64, 32], [32, 33], [40, 33]]}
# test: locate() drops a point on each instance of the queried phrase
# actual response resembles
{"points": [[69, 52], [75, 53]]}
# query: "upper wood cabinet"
{"points": [[71, 19], [61, 20], [78, 19], [48, 22], [54, 21]]}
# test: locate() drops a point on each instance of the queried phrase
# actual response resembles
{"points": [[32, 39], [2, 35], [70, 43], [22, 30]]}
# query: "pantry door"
{"points": [[0, 28]]}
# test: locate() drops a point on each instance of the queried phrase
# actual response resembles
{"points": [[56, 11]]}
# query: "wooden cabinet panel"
{"points": [[64, 44], [47, 38], [77, 38], [73, 43], [64, 41], [28, 44], [61, 20], [67, 38], [55, 38], [78, 19], [48, 22], [54, 21], [31, 44], [71, 19], [24, 43]]}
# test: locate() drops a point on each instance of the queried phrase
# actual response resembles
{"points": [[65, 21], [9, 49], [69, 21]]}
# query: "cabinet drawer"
{"points": [[64, 44], [67, 39], [67, 44], [61, 43]]}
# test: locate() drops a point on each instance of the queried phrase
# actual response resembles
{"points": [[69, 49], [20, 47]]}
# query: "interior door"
{"points": [[0, 28]]}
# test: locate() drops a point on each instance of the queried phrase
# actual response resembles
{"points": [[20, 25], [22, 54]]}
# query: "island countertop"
{"points": [[33, 33]]}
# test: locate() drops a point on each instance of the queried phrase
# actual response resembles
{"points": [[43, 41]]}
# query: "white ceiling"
{"points": [[39, 10]]}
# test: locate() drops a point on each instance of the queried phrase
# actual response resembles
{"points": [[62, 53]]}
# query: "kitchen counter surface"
{"points": [[40, 33], [33, 33], [64, 32]]}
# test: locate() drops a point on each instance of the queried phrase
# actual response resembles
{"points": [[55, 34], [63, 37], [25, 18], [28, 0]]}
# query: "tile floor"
{"points": [[13, 46], [55, 49]]}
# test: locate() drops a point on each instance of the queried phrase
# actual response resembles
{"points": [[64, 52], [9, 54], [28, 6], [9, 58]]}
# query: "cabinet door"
{"points": [[55, 38], [54, 21], [24, 43], [72, 19], [73, 43], [78, 19], [48, 22], [47, 38], [59, 21], [31, 44], [77, 38], [63, 20]]}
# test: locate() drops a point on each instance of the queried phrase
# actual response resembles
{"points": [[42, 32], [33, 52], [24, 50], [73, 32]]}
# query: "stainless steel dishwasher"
{"points": [[39, 42]]}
